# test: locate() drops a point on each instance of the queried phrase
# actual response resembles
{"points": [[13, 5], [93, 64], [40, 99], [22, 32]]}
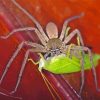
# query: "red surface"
{"points": [[32, 86]]}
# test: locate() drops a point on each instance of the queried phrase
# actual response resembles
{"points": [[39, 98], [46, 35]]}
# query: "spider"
{"points": [[52, 45]]}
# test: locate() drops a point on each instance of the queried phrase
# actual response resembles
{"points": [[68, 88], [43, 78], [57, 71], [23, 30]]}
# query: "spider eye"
{"points": [[49, 55]]}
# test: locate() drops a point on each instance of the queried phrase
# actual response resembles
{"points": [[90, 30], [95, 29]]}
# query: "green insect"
{"points": [[62, 64], [57, 56]]}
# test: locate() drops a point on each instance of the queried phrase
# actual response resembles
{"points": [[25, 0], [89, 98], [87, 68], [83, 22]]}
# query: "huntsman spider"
{"points": [[51, 45]]}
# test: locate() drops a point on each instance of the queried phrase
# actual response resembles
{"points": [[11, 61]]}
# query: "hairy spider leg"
{"points": [[40, 48], [72, 34], [78, 38], [71, 45], [33, 19], [82, 62], [92, 64], [41, 38], [66, 24], [45, 79], [10, 61], [23, 66], [80, 41], [8, 95], [93, 68]]}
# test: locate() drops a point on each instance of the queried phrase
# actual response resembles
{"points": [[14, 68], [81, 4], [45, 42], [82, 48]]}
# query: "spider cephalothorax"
{"points": [[54, 46]]}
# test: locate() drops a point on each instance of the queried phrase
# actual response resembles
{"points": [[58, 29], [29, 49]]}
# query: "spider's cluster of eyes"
{"points": [[52, 53]]}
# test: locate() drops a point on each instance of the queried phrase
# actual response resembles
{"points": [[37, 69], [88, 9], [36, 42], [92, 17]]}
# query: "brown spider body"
{"points": [[54, 47], [54, 44]]}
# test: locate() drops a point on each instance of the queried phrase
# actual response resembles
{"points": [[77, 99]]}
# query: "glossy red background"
{"points": [[32, 86]]}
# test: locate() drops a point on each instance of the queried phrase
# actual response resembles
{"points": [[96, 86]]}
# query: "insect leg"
{"points": [[44, 78], [35, 63], [66, 23], [72, 34], [47, 84], [32, 18], [41, 38]]}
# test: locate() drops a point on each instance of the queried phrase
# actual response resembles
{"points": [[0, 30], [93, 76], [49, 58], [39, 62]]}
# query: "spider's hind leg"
{"points": [[82, 48], [10, 61], [39, 48]]}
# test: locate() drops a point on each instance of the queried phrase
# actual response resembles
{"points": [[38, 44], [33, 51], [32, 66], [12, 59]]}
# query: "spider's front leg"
{"points": [[41, 38], [72, 34], [65, 25], [32, 19]]}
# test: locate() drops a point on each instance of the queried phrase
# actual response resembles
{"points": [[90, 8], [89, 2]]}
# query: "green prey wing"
{"points": [[62, 64]]}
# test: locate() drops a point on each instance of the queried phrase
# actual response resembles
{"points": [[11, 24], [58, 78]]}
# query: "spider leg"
{"points": [[10, 61], [82, 74], [23, 66], [32, 18], [82, 67], [72, 34], [16, 53], [93, 68], [66, 23], [41, 38]]}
